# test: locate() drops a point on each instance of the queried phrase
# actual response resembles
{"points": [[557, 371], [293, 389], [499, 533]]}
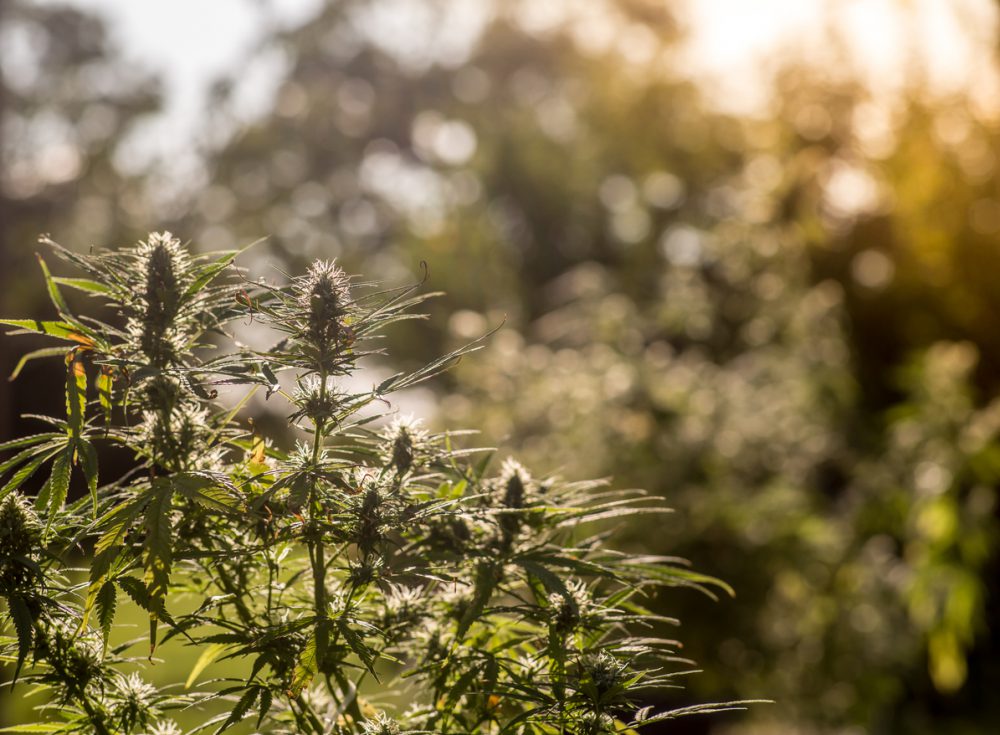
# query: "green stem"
{"points": [[316, 546], [315, 543], [95, 718], [230, 588], [309, 715]]}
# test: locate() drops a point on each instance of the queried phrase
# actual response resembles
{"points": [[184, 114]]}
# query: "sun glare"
{"points": [[938, 45]]}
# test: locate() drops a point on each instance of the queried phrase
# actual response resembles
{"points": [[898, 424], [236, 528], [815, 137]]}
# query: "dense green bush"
{"points": [[371, 580], [858, 541]]}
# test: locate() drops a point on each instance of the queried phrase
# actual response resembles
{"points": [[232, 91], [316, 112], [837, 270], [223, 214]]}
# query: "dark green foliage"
{"points": [[365, 566]]}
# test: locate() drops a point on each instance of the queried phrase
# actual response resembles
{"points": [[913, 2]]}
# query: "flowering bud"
{"points": [[162, 296], [405, 444], [569, 609], [381, 725], [604, 671], [79, 656], [317, 400], [135, 701], [515, 483], [326, 296], [20, 533], [164, 269]]}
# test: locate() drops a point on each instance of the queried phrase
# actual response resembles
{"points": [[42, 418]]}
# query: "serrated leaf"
{"points": [[241, 708], [702, 709], [136, 591], [24, 625], [483, 590], [357, 644], [88, 462], [265, 705], [105, 387], [670, 574], [19, 477], [26, 441], [106, 603], [58, 484], [115, 523], [211, 490], [208, 273], [460, 687], [298, 493], [158, 553], [53, 289], [100, 572], [551, 581], [59, 330], [82, 284], [386, 385], [306, 667], [76, 396], [26, 454]]}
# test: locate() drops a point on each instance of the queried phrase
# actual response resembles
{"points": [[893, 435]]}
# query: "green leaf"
{"points": [[158, 552], [59, 330], [701, 709], [26, 441], [83, 284], [208, 273], [357, 644], [54, 294], [39, 727], [306, 668], [24, 625], [107, 603], [298, 493], [265, 705], [115, 522], [214, 491], [485, 584], [100, 573], [88, 462], [241, 708], [139, 594], [19, 477], [668, 574], [461, 686], [136, 590], [551, 580], [209, 655], [58, 484], [34, 355], [105, 395], [26, 454], [76, 397]]}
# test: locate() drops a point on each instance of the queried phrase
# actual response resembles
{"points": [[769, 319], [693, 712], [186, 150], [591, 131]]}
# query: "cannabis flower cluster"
{"points": [[371, 580]]}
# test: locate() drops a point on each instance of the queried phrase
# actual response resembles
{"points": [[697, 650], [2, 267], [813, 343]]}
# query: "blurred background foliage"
{"points": [[783, 321]]}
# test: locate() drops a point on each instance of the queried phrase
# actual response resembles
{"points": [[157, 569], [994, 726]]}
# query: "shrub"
{"points": [[366, 569]]}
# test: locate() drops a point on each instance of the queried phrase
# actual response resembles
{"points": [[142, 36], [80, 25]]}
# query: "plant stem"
{"points": [[316, 546], [309, 715]]}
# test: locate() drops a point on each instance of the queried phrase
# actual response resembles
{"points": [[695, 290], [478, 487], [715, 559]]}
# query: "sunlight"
{"points": [[939, 45]]}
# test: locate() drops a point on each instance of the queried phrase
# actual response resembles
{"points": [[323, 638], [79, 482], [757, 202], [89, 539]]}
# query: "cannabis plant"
{"points": [[377, 578]]}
